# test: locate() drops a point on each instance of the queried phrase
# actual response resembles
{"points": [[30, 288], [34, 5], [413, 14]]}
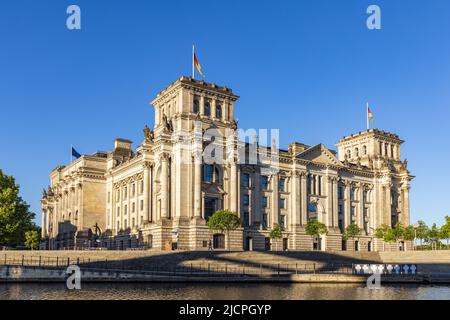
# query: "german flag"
{"points": [[197, 65]]}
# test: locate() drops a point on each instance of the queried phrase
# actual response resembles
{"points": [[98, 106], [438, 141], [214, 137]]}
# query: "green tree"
{"points": [[276, 233], [315, 229], [386, 233], [32, 239], [433, 236], [445, 230], [351, 231], [409, 233], [15, 216], [421, 231], [224, 221]]}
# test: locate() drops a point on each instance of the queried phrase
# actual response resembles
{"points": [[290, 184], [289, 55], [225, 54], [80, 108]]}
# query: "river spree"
{"points": [[174, 291]]}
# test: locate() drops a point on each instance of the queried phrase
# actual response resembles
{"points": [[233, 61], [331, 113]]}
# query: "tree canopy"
{"points": [[351, 231], [15, 215], [224, 221], [315, 228]]}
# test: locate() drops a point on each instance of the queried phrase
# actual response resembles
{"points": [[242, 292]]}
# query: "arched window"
{"points": [[207, 109], [312, 211], [364, 150], [218, 111], [195, 108], [356, 152], [349, 154]]}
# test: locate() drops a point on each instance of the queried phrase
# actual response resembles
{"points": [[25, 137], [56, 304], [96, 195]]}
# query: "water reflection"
{"points": [[174, 291]]}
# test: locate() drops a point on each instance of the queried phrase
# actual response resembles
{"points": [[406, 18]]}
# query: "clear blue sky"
{"points": [[306, 67]]}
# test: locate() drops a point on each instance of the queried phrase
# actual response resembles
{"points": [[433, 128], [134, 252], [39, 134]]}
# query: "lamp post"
{"points": [[415, 226]]}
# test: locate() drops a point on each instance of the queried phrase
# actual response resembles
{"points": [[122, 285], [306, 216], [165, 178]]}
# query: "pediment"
{"points": [[319, 154], [212, 188]]}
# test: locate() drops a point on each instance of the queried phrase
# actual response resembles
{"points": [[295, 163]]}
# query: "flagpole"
{"points": [[193, 53], [367, 115]]}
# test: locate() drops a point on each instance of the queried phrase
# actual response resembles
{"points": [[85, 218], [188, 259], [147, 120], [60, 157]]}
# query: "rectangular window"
{"points": [[365, 196], [133, 222], [340, 192], [282, 203], [109, 196], [264, 202], [118, 211], [340, 209], [353, 214], [125, 210], [352, 194], [246, 219], [142, 187], [133, 189], [117, 195], [142, 205], [264, 182], [125, 192], [264, 222], [245, 180], [133, 207], [282, 184], [283, 221], [118, 225], [246, 200]]}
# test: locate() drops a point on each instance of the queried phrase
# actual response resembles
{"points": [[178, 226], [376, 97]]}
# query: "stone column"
{"points": [[335, 203], [44, 223], [387, 205], [361, 206], [233, 186], [295, 198], [330, 197], [347, 205], [405, 209], [197, 184], [164, 158], [146, 191], [304, 199], [275, 197]]}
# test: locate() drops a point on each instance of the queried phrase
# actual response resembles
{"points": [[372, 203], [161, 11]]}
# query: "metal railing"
{"points": [[186, 268]]}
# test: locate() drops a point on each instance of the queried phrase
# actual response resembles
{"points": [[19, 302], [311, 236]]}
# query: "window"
{"points": [[142, 187], [353, 214], [118, 211], [207, 109], [264, 222], [125, 210], [340, 192], [283, 221], [125, 192], [340, 209], [218, 111], [246, 219], [117, 195], [208, 173], [133, 189], [246, 200], [282, 203], [142, 205], [312, 212], [264, 182], [264, 202], [245, 180], [364, 150], [125, 223], [133, 223], [365, 196], [349, 154], [282, 184], [356, 152], [195, 108], [392, 150], [352, 194], [133, 207], [118, 225], [319, 185], [109, 196]]}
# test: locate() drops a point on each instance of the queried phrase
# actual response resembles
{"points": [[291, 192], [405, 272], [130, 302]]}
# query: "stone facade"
{"points": [[161, 194]]}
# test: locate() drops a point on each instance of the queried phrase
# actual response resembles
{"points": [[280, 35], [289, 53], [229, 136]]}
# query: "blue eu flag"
{"points": [[75, 153]]}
